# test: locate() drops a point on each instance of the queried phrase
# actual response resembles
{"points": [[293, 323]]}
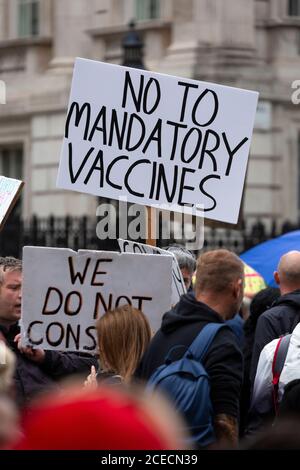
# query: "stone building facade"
{"points": [[252, 44]]}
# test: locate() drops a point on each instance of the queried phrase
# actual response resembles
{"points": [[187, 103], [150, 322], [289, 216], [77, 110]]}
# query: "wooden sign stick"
{"points": [[151, 226]]}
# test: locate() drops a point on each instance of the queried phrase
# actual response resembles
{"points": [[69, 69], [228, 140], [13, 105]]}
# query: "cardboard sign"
{"points": [[178, 286], [157, 139], [9, 192], [64, 292]]}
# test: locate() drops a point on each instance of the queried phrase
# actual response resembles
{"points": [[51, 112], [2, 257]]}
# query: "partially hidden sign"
{"points": [[9, 192], [71, 290], [155, 139], [178, 286]]}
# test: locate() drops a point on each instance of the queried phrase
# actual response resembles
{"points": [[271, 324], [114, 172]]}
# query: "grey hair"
{"points": [[185, 259], [8, 264]]}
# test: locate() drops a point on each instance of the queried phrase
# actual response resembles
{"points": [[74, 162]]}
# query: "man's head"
{"points": [[287, 275], [220, 281], [10, 290], [186, 262]]}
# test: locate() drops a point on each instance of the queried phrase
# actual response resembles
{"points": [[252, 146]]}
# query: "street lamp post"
{"points": [[133, 47], [133, 57]]}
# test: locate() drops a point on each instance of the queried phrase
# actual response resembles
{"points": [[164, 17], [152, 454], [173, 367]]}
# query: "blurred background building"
{"points": [[251, 44]]}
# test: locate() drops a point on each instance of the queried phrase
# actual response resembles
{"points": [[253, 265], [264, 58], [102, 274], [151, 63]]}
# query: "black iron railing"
{"points": [[80, 232]]}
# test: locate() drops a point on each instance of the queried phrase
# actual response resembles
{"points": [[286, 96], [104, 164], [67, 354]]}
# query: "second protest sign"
{"points": [[65, 292]]}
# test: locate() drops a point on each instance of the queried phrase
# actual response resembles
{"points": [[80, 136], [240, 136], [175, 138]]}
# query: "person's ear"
{"points": [[237, 287], [276, 277], [241, 287]]}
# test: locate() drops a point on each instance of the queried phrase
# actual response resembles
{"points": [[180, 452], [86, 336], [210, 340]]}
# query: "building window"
{"points": [[28, 18], [11, 166], [147, 9], [294, 7]]}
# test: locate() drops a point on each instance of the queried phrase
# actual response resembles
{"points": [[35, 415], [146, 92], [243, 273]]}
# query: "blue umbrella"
{"points": [[264, 257]]}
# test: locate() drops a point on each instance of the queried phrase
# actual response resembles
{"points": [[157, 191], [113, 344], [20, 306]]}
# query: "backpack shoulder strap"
{"points": [[202, 342], [278, 363], [280, 354]]}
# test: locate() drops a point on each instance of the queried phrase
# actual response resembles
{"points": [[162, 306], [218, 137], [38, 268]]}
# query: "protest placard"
{"points": [[9, 192], [64, 292], [178, 286], [157, 139]]}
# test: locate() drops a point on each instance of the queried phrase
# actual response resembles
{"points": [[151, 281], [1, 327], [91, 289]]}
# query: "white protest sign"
{"points": [[157, 139], [64, 292], [178, 286], [9, 193]]}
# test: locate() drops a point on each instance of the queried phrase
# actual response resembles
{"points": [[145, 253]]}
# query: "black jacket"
{"points": [[280, 319], [32, 378], [223, 362]]}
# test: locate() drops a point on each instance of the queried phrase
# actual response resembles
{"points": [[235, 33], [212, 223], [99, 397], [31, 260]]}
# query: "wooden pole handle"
{"points": [[151, 226]]}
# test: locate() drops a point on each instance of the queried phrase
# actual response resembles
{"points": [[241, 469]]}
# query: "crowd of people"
{"points": [[104, 401]]}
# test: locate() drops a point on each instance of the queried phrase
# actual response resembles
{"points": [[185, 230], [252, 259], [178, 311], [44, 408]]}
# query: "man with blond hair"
{"points": [[36, 370], [284, 315], [217, 298]]}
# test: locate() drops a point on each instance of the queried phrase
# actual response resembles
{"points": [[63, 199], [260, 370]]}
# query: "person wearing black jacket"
{"points": [[284, 314], [36, 370], [218, 296]]}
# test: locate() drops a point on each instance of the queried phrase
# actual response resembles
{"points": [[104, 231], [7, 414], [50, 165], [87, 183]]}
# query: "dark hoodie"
{"points": [[223, 362], [279, 320]]}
